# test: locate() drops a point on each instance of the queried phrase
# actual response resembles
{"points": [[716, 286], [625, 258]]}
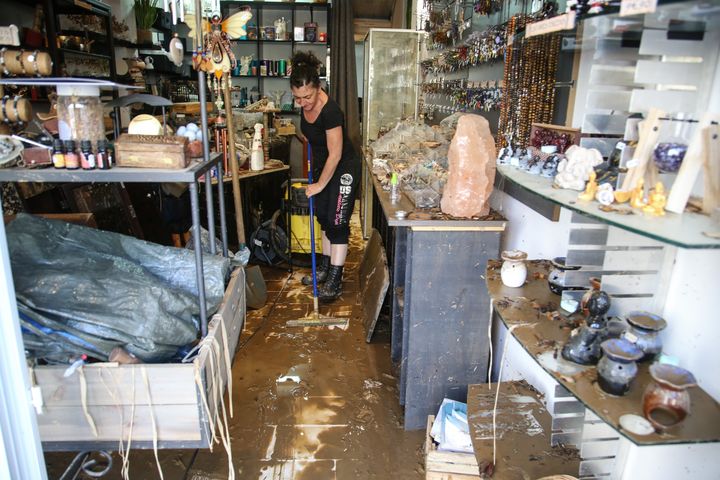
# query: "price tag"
{"points": [[9, 35], [565, 21], [630, 337], [636, 7]]}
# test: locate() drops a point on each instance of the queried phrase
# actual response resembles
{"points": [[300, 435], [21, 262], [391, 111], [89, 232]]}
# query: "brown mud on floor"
{"points": [[342, 421]]}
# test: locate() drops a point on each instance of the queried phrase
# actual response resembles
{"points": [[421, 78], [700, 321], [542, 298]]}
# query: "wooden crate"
{"points": [[113, 391], [152, 151], [84, 219], [573, 133], [447, 465]]}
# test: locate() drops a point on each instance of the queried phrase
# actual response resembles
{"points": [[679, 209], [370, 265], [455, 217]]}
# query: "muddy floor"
{"points": [[341, 421]]}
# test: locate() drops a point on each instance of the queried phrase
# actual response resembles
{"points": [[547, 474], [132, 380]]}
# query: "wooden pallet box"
{"points": [[120, 399], [441, 465]]}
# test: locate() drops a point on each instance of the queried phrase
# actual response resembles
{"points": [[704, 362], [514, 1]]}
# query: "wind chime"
{"points": [[215, 57]]}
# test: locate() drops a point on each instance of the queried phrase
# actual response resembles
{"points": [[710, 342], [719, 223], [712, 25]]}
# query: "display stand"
{"points": [[437, 302]]}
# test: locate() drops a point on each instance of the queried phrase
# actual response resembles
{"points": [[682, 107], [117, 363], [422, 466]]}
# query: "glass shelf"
{"points": [[543, 338], [685, 231]]}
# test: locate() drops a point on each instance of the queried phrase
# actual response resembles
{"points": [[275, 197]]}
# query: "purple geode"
{"points": [[669, 156]]}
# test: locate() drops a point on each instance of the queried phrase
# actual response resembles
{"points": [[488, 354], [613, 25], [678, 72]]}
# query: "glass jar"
{"points": [[80, 117]]}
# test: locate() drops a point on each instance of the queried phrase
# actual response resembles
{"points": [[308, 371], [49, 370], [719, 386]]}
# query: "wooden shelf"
{"points": [[543, 339], [523, 431], [84, 54]]}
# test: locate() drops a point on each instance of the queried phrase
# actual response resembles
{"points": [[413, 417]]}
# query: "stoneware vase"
{"points": [[513, 271], [583, 347], [556, 279], [644, 332], [666, 401], [616, 369]]}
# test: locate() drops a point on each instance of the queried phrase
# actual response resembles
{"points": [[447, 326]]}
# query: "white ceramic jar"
{"points": [[514, 271]]}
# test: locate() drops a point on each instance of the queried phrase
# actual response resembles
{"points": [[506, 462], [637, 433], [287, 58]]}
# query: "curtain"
{"points": [[343, 80]]}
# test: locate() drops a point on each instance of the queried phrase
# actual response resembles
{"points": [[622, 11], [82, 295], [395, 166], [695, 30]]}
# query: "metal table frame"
{"points": [[189, 175]]}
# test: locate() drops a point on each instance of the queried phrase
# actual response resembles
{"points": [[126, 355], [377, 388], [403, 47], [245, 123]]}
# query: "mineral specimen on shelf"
{"points": [[471, 160], [604, 194], [574, 170]]}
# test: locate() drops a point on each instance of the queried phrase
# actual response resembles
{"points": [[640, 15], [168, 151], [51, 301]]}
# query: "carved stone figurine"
{"points": [[576, 168], [590, 189], [657, 199], [637, 197]]}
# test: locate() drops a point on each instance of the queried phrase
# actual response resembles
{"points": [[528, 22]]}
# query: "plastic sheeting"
{"points": [[73, 280]]}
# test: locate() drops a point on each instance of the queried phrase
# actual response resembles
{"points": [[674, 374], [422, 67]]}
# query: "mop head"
{"points": [[317, 320]]}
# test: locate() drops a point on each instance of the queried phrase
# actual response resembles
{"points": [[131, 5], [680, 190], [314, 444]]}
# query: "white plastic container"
{"points": [[257, 156]]}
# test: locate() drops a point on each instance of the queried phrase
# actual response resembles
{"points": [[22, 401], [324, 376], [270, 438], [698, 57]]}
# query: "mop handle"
{"points": [[312, 224]]}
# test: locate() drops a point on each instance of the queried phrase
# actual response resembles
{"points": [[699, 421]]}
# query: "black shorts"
{"points": [[334, 205]]}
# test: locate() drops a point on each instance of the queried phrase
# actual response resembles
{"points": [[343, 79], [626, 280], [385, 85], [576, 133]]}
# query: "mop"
{"points": [[315, 319]]}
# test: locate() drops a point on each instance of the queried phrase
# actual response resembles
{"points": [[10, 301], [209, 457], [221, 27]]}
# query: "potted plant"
{"points": [[145, 16]]}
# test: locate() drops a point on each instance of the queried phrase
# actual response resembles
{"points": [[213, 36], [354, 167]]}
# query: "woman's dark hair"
{"points": [[305, 68]]}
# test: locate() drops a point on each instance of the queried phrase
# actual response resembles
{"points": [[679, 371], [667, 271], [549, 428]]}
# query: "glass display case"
{"points": [[392, 59]]}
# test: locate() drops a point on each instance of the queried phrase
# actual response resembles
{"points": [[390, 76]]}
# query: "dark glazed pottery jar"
{"points": [[666, 401], [616, 369], [583, 347], [556, 279], [644, 332]]}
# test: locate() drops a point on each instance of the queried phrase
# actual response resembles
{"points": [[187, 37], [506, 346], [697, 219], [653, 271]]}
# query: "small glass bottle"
{"points": [[102, 156], [87, 157], [72, 159], [58, 155], [110, 159], [394, 188]]}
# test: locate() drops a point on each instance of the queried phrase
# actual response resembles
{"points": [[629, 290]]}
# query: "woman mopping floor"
{"points": [[335, 171]]}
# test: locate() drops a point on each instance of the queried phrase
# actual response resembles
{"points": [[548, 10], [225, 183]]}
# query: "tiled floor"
{"points": [[342, 421]]}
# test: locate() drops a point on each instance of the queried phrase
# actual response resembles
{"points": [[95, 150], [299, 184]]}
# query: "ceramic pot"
{"points": [[583, 347], [644, 332], [616, 369], [595, 304], [514, 271], [556, 279], [666, 401], [144, 37]]}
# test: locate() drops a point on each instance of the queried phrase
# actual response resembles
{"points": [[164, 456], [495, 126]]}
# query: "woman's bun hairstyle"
{"points": [[305, 68]]}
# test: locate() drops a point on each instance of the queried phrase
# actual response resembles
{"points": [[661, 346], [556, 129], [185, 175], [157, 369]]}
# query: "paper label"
{"points": [[636, 7], [632, 163], [9, 36], [565, 21]]}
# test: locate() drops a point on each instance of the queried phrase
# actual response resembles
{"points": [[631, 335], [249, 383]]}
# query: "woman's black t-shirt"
{"points": [[330, 117]]}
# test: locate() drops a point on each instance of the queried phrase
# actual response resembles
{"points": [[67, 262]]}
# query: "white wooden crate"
{"points": [[115, 392]]}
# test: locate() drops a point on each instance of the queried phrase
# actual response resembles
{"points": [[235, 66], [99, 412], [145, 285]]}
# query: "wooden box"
{"points": [[284, 126], [152, 151], [441, 465], [190, 108], [114, 392], [573, 133]]}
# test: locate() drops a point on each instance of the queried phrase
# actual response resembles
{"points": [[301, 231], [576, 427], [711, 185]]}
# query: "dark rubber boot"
{"points": [[321, 271], [333, 286]]}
